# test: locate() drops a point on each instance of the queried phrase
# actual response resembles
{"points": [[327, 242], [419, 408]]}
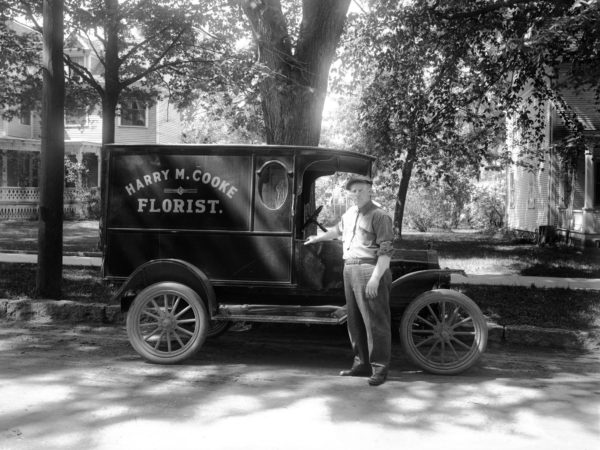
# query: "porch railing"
{"points": [[21, 203]]}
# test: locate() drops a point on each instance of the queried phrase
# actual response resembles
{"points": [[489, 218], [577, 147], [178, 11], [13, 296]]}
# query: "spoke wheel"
{"points": [[217, 328], [167, 323], [443, 332]]}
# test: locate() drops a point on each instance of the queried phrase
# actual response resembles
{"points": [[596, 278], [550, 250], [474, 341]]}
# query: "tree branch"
{"points": [[490, 7]]}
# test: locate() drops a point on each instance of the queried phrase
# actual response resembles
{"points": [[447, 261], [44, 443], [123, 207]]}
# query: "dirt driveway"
{"points": [[65, 387]]}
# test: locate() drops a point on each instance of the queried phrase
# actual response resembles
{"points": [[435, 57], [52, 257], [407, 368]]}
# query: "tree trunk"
{"points": [[110, 99], [112, 86], [407, 168], [293, 94], [50, 231]]}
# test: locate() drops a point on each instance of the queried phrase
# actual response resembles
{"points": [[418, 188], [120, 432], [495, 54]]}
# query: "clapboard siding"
{"points": [[169, 123], [91, 131], [14, 128]]}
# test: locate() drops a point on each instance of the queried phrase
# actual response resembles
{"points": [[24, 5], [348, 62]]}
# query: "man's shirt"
{"points": [[366, 233]]}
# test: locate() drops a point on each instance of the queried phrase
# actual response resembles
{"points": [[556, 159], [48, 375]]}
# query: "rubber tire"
{"points": [[217, 327], [136, 312], [427, 363]]}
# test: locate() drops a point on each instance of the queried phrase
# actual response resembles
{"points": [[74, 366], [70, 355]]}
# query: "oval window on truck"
{"points": [[273, 184]]}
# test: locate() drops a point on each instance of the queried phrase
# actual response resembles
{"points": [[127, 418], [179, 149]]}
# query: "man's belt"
{"points": [[354, 261]]}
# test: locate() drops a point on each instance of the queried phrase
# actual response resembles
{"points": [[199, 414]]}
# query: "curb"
{"points": [[60, 310], [527, 281], [34, 252], [555, 338], [46, 311]]}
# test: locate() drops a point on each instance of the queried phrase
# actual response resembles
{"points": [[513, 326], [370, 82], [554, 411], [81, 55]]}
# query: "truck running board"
{"points": [[326, 315]]}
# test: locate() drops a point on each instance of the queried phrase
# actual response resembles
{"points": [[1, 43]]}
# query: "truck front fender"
{"points": [[159, 270], [408, 287], [435, 277]]}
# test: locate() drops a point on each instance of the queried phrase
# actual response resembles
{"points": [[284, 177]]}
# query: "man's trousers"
{"points": [[369, 319]]}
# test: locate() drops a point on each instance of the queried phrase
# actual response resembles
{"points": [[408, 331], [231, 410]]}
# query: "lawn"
{"points": [[482, 253], [78, 236]]}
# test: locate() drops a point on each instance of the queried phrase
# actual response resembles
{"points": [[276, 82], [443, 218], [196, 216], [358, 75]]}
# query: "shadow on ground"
{"points": [[90, 379]]}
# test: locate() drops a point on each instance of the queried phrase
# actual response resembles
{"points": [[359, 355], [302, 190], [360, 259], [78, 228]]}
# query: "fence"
{"points": [[21, 203]]}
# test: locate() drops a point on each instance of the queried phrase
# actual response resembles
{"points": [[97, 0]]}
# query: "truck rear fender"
{"points": [[159, 270], [435, 278]]}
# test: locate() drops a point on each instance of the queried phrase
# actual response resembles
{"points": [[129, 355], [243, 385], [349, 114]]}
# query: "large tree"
{"points": [[443, 76], [49, 273], [296, 59]]}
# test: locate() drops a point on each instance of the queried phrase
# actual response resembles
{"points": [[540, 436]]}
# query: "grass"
{"points": [[473, 252], [546, 308], [81, 284], [78, 236], [480, 253]]}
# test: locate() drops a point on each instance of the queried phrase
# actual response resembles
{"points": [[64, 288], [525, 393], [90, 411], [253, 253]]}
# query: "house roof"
{"points": [[582, 100], [584, 106]]}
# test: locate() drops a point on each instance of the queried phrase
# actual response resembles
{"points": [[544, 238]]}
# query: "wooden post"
{"points": [[588, 202], [50, 231]]}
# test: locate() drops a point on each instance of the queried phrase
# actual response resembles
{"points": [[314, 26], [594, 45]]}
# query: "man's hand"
{"points": [[372, 288], [311, 240]]}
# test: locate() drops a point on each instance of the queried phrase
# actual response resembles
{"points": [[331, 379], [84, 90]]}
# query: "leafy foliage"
{"points": [[86, 200], [219, 118], [142, 49], [20, 80], [441, 78], [487, 205]]}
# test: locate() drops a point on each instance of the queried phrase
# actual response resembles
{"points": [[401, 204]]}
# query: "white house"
{"points": [[20, 139], [558, 198]]}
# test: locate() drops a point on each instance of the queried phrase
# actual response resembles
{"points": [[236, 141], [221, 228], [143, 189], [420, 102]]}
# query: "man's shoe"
{"points": [[356, 371], [377, 378]]}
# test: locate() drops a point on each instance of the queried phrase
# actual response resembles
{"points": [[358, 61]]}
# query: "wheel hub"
{"points": [[167, 322], [443, 332]]}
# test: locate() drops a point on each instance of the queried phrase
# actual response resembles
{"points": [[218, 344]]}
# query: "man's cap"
{"points": [[358, 179]]}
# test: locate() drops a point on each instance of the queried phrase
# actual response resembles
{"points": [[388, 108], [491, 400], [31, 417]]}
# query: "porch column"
{"points": [[79, 157], [4, 173], [100, 182], [588, 205]]}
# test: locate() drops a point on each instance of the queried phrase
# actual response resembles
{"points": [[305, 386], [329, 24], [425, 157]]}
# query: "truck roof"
{"points": [[340, 160]]}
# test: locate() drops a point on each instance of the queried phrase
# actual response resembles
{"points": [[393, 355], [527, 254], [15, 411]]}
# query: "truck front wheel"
{"points": [[167, 323], [443, 332]]}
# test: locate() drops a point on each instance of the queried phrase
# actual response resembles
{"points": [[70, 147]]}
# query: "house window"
{"points": [[531, 192], [80, 61], [511, 190], [22, 169], [133, 113], [25, 117], [597, 183], [76, 116]]}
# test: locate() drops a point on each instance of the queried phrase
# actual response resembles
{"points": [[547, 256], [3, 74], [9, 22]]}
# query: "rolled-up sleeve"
{"points": [[384, 230]]}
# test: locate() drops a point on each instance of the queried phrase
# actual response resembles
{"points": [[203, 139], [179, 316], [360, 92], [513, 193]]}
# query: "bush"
{"points": [[84, 201], [488, 205], [426, 208]]}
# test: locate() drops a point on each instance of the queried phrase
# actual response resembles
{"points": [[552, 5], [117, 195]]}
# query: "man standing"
{"points": [[367, 236]]}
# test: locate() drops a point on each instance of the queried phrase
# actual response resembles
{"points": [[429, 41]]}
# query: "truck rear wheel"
{"points": [[217, 328], [167, 323], [443, 332]]}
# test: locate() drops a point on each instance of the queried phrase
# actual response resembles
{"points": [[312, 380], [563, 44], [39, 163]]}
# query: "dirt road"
{"points": [[277, 388]]}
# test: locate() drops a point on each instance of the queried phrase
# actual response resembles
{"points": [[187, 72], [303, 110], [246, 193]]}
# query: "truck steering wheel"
{"points": [[313, 219]]}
